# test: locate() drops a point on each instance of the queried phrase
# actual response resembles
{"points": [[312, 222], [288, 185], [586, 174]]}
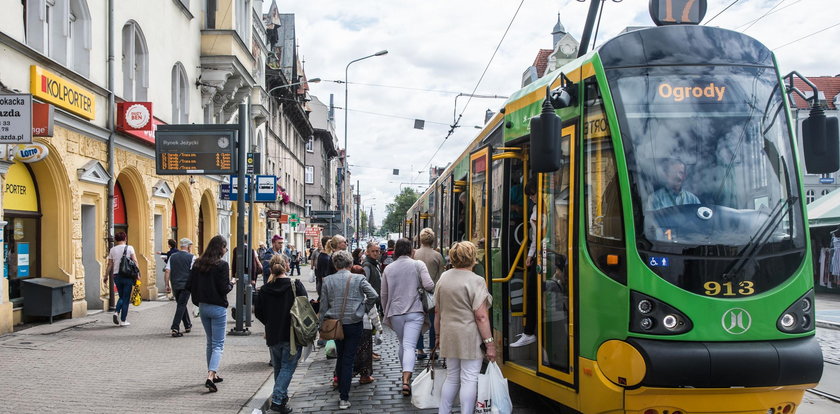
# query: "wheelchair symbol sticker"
{"points": [[659, 262]]}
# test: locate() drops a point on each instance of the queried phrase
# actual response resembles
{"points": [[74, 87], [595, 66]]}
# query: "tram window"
{"points": [[603, 202], [478, 211]]}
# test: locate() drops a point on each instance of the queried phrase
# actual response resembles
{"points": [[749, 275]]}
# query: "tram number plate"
{"points": [[743, 288]]}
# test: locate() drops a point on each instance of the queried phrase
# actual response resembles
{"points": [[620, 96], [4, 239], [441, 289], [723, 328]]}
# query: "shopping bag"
{"points": [[329, 349], [493, 396], [136, 300], [426, 387]]}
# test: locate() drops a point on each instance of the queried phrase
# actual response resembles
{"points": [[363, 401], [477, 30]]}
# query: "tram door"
{"points": [[555, 263], [479, 188]]}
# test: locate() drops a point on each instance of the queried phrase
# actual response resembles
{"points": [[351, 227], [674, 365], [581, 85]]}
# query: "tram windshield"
{"points": [[712, 171]]}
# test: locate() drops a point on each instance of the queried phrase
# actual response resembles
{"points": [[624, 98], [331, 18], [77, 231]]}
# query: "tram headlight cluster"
{"points": [[799, 316], [652, 316]]}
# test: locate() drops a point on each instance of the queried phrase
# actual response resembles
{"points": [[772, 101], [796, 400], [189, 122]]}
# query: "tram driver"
{"points": [[671, 193]]}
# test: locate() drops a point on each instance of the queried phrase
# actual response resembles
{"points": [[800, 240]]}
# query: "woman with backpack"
{"points": [[273, 309], [209, 284], [123, 282]]}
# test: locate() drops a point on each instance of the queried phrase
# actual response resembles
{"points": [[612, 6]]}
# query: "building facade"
{"points": [[97, 179], [319, 178]]}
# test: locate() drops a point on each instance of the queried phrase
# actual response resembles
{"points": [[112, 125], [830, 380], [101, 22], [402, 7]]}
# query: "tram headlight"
{"points": [[787, 321], [670, 322], [651, 316], [799, 316]]}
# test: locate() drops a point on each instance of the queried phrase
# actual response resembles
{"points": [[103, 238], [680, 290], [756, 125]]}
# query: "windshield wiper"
{"points": [[760, 237]]}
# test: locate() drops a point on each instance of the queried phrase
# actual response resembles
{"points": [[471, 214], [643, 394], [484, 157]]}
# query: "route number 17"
{"points": [[690, 11]]}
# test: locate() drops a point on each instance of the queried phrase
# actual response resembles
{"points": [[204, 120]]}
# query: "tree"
{"points": [[395, 215], [363, 224]]}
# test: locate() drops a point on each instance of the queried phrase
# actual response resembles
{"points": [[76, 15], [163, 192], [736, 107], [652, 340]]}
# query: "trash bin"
{"points": [[46, 297]]}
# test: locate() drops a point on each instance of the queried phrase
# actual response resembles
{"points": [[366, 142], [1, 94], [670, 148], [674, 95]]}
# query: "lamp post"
{"points": [[344, 179], [313, 80]]}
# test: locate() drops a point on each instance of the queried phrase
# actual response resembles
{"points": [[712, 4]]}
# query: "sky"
{"points": [[440, 48]]}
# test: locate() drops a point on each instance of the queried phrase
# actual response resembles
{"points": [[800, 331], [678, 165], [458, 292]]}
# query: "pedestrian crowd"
{"points": [[405, 289]]}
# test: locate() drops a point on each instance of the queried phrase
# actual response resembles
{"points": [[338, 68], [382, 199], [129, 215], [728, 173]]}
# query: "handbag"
{"points": [[427, 299], [331, 328], [136, 300], [128, 268], [426, 387]]}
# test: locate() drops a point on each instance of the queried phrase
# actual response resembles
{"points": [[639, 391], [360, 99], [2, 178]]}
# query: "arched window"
{"points": [[825, 192], [180, 95], [809, 196], [60, 30], [135, 63]]}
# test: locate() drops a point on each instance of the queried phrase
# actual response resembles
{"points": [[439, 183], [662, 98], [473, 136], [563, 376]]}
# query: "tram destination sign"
{"points": [[195, 149]]}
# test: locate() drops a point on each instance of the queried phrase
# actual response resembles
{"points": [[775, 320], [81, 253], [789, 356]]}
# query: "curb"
{"points": [[828, 325], [261, 399]]}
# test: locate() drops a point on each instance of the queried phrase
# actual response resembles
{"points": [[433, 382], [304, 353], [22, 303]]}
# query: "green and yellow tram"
{"points": [[670, 262]]}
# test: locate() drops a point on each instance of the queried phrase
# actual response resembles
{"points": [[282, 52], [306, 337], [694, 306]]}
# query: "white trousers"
{"points": [[408, 326], [461, 373]]}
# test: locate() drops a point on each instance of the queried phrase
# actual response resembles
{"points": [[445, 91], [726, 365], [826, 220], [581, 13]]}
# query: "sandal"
{"points": [[406, 390], [176, 334]]}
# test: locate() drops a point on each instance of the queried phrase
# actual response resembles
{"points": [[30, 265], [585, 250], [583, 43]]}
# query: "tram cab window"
{"points": [[713, 181]]}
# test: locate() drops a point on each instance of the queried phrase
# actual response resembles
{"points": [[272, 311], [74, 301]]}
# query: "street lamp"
{"points": [[346, 106], [313, 80]]}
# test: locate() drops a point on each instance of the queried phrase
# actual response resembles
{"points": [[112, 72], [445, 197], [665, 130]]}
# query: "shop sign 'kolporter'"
{"points": [[62, 93], [195, 149]]}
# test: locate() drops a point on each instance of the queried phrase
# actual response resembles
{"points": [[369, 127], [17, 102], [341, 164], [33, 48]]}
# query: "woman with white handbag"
{"points": [[404, 285], [462, 322]]}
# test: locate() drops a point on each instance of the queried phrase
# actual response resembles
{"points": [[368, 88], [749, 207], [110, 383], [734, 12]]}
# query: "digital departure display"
{"points": [[195, 149]]}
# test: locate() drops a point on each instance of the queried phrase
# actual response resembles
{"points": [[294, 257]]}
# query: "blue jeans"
{"points": [[124, 286], [346, 349], [431, 333], [284, 367], [214, 319]]}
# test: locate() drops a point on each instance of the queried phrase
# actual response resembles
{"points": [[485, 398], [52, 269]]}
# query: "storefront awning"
{"points": [[825, 211]]}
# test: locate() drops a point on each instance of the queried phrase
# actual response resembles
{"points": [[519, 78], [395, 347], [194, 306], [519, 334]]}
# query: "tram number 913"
{"points": [[743, 288]]}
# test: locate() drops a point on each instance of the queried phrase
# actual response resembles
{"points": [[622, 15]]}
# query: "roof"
{"points": [[541, 62], [828, 85], [825, 211]]}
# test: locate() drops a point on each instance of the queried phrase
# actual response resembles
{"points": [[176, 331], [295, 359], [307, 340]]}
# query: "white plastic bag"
{"points": [[493, 396], [426, 387]]}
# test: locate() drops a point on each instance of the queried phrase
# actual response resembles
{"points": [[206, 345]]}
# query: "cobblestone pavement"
{"points": [[90, 365], [311, 392]]}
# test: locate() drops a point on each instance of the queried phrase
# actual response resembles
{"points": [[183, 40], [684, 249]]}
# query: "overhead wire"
{"points": [[773, 12], [458, 119], [806, 36], [763, 15], [721, 12]]}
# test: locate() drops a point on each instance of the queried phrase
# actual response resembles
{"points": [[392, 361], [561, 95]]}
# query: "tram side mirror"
{"points": [[821, 143], [545, 139]]}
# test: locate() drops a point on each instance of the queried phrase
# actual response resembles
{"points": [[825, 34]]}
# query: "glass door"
{"points": [[555, 261], [477, 211]]}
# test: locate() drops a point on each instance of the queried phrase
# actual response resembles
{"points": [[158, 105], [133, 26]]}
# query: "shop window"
{"points": [[120, 212], [60, 30], [180, 95], [135, 63], [22, 231]]}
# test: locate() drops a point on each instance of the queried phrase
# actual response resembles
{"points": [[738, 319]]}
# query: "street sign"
{"points": [[325, 215], [273, 214], [231, 191], [15, 119], [266, 189], [195, 149], [253, 161], [827, 180]]}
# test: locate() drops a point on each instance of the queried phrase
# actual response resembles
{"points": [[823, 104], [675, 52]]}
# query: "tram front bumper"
{"points": [[762, 400]]}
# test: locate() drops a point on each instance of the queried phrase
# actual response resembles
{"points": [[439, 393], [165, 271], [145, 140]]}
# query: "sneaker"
{"points": [[524, 339], [343, 404], [116, 318], [125, 323]]}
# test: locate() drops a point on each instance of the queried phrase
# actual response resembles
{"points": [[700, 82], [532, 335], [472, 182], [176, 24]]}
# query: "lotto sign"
{"points": [[15, 119]]}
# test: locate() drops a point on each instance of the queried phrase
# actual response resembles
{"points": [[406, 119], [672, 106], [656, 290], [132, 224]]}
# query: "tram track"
{"points": [[824, 394]]}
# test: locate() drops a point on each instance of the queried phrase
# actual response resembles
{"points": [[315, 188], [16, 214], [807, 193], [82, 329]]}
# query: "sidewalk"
{"points": [[90, 365], [828, 310]]}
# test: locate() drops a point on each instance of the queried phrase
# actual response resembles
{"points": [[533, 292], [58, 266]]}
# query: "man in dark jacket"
{"points": [[177, 273], [372, 272], [273, 310]]}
